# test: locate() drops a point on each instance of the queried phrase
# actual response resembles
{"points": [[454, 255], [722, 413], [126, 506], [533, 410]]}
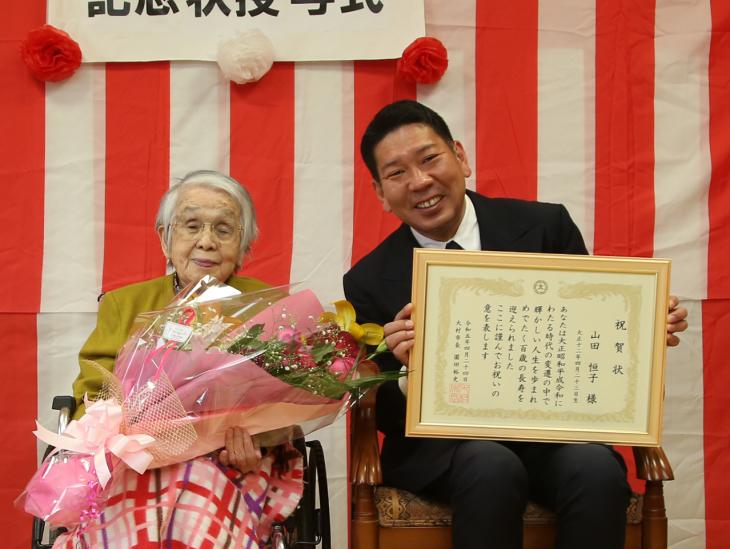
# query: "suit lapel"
{"points": [[500, 230], [402, 245], [395, 283], [491, 232]]}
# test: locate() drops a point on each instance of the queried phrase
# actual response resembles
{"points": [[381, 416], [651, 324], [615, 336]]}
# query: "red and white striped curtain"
{"points": [[619, 109]]}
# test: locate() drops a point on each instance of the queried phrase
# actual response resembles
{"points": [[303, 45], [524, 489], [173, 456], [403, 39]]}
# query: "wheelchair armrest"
{"points": [[652, 464], [66, 406], [365, 450]]}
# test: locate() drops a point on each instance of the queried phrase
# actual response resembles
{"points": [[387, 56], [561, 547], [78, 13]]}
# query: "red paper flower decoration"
{"points": [[50, 53], [424, 61]]}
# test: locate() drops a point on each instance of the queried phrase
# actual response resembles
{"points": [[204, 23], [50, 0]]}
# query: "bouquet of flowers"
{"points": [[269, 361]]}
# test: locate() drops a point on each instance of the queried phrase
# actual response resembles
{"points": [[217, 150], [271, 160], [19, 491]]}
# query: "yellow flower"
{"points": [[369, 333]]}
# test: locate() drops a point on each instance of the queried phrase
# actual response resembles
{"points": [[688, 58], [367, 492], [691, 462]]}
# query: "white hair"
{"points": [[213, 180]]}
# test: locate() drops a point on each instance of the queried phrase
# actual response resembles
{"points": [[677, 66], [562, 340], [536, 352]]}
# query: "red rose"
{"points": [[424, 61], [306, 360], [50, 54], [345, 342]]}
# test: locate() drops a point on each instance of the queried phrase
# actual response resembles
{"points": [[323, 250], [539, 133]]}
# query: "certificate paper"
{"points": [[538, 347]]}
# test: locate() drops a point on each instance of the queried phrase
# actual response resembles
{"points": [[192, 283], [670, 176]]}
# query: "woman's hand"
{"points": [[241, 452]]}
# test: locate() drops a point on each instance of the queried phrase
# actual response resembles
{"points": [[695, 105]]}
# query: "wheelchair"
{"points": [[307, 526]]}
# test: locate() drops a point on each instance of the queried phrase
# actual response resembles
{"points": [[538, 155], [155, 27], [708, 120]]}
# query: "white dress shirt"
{"points": [[467, 235]]}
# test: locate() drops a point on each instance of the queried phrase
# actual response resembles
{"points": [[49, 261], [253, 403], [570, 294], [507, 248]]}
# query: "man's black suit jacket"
{"points": [[380, 285]]}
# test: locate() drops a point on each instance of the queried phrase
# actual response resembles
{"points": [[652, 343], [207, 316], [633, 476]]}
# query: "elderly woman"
{"points": [[206, 224]]}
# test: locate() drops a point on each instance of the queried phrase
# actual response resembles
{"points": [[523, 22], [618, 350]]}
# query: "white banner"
{"points": [[301, 30]]}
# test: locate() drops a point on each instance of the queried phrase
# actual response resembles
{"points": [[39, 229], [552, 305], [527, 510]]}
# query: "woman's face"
{"points": [[214, 250]]}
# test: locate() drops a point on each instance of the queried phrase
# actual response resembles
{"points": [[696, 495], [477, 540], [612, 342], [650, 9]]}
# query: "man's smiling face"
{"points": [[422, 180]]}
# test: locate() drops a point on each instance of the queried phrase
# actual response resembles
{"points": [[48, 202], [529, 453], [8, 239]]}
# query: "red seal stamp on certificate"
{"points": [[459, 393]]}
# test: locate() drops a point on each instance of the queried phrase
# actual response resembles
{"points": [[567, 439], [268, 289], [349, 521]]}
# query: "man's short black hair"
{"points": [[392, 117]]}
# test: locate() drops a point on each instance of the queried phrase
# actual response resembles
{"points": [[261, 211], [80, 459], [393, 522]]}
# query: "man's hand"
{"points": [[399, 334], [675, 321], [241, 451]]}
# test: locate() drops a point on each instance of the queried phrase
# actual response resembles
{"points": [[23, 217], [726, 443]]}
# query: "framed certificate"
{"points": [[538, 347]]}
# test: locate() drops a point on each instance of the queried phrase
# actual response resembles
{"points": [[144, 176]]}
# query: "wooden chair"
{"points": [[388, 518]]}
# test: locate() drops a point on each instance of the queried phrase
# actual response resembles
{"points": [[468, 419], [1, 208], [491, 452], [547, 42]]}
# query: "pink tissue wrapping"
{"points": [[62, 490], [227, 393]]}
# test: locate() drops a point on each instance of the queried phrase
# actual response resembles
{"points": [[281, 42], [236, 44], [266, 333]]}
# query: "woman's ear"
{"points": [[163, 244]]}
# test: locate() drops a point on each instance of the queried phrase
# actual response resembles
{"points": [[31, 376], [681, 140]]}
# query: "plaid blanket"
{"points": [[198, 503]]}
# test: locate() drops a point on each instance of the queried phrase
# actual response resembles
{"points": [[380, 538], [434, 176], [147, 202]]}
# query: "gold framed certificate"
{"points": [[538, 347]]}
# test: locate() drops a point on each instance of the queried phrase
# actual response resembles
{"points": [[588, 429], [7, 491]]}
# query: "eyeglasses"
{"points": [[192, 230]]}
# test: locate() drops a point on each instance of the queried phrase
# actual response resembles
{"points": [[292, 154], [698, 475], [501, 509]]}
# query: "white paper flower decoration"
{"points": [[247, 57]]}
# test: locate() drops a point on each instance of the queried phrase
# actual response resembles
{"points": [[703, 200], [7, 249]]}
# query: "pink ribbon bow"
{"points": [[97, 432]]}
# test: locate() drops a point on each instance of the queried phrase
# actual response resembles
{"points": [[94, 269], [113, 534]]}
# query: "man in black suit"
{"points": [[419, 174]]}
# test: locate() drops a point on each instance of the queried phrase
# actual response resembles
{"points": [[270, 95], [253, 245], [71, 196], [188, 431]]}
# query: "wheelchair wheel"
{"points": [[316, 475], [309, 525]]}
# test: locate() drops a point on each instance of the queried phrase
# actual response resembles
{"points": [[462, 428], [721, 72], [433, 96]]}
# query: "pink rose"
{"points": [[50, 54], [340, 367], [286, 334], [424, 61]]}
